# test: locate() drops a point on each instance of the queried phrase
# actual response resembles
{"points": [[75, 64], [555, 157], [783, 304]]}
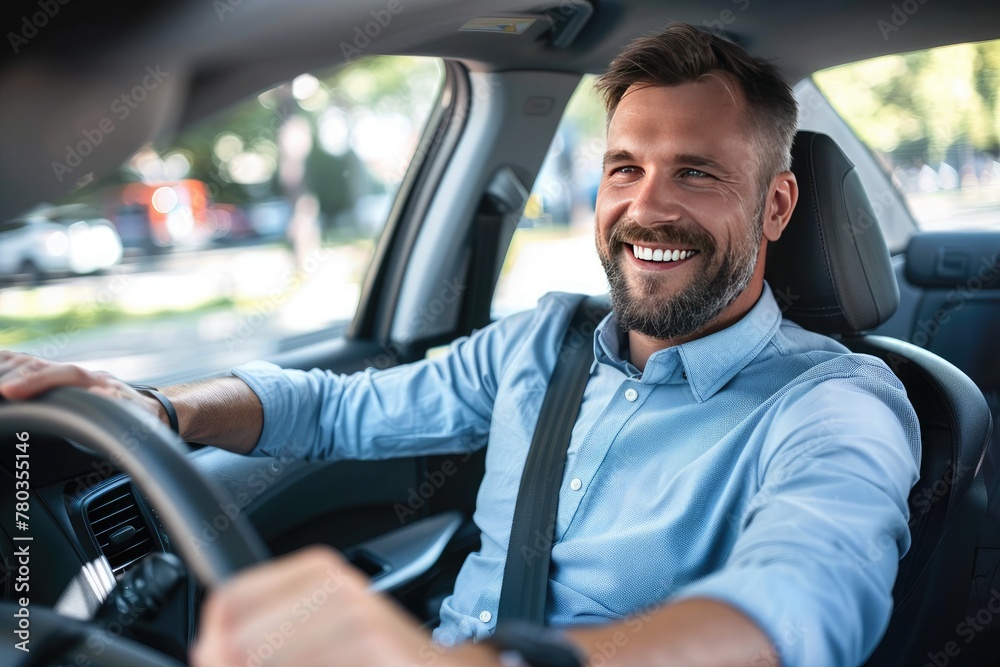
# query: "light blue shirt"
{"points": [[764, 466]]}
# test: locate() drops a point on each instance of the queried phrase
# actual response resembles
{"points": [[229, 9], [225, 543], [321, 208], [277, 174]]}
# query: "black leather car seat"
{"points": [[832, 273]]}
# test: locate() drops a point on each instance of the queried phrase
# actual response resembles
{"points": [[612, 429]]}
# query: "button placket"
{"points": [[584, 466]]}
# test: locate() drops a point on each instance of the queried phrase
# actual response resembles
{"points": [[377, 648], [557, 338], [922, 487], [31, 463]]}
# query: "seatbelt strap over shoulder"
{"points": [[526, 573]]}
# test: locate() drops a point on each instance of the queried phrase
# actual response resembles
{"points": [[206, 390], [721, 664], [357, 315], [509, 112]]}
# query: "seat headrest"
{"points": [[830, 271], [949, 260]]}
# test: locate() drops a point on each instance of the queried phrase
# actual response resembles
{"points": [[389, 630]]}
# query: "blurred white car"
{"points": [[54, 240]]}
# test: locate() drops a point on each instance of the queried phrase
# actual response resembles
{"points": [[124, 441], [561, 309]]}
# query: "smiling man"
{"points": [[731, 480], [680, 211]]}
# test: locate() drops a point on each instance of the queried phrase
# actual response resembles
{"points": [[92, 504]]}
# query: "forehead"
{"points": [[707, 115]]}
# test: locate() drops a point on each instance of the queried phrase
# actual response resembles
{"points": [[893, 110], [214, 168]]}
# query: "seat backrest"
{"points": [[832, 273]]}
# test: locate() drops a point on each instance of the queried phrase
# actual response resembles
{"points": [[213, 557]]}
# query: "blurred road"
{"points": [[182, 314]]}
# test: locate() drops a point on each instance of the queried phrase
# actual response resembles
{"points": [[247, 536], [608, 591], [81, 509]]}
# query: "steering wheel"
{"points": [[153, 456]]}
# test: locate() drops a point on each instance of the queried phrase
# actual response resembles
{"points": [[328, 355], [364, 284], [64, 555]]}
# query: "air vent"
{"points": [[119, 528]]}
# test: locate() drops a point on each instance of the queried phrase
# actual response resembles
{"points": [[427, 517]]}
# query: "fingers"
{"points": [[23, 376], [306, 604]]}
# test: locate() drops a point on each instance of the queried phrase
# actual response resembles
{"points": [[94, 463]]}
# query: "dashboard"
{"points": [[87, 526], [89, 529]]}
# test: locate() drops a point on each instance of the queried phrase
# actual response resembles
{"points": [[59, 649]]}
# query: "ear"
{"points": [[781, 198]]}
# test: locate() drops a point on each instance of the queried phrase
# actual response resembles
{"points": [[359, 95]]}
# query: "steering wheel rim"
{"points": [[153, 456]]}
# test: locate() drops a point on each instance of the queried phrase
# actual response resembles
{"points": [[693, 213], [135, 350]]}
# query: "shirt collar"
{"points": [[708, 362]]}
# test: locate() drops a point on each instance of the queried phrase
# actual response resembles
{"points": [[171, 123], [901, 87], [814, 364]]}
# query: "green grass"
{"points": [[17, 330]]}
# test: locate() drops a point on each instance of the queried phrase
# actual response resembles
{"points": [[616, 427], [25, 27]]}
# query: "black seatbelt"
{"points": [[526, 574]]}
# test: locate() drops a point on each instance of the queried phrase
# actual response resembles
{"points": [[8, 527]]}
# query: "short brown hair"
{"points": [[682, 54]]}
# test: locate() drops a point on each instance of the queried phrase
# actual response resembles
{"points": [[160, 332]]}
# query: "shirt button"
{"points": [[631, 394], [576, 484], [485, 616]]}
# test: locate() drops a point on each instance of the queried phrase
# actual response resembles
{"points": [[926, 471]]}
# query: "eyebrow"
{"points": [[699, 161], [620, 155]]}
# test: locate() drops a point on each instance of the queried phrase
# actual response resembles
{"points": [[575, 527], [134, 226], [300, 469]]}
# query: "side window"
{"points": [[553, 247], [932, 118], [248, 235]]}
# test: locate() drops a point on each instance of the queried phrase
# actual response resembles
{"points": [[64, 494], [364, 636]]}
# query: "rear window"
{"points": [[932, 119]]}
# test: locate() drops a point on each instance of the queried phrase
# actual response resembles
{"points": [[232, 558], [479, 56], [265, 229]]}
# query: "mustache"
{"points": [[627, 231]]}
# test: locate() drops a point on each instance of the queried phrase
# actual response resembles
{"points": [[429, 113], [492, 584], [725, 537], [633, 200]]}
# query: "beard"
{"points": [[721, 276]]}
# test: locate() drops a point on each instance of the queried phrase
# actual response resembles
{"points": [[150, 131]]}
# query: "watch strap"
{"points": [[524, 644], [153, 392]]}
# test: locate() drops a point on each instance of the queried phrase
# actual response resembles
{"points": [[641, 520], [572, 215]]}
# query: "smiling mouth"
{"points": [[661, 254]]}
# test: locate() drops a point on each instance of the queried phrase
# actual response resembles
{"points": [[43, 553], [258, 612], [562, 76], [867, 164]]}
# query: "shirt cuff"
{"points": [[277, 395]]}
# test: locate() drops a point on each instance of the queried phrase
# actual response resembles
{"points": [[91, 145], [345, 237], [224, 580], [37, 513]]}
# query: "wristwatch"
{"points": [[153, 392], [525, 645]]}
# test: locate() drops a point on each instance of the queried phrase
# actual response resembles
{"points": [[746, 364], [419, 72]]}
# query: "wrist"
{"points": [[166, 412], [474, 655]]}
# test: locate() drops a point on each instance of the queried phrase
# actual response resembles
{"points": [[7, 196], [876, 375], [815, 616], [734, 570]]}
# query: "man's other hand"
{"points": [[23, 376], [313, 608]]}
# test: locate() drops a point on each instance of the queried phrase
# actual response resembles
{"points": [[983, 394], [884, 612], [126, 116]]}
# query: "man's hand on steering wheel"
{"points": [[23, 376], [309, 608], [314, 608]]}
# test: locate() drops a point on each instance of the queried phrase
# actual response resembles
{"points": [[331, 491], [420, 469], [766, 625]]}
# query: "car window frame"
{"points": [[381, 288]]}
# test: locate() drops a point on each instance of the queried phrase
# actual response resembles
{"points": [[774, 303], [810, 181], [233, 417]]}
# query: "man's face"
{"points": [[680, 182]]}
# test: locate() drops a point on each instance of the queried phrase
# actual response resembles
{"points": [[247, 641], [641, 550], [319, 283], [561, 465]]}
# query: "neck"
{"points": [[641, 347]]}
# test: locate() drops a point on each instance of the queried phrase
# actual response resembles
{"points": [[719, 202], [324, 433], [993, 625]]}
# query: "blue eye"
{"points": [[697, 173]]}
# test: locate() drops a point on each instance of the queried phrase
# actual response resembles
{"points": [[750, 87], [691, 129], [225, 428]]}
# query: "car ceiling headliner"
{"points": [[62, 80]]}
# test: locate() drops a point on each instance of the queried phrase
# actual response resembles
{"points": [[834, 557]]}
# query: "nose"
{"points": [[654, 202]]}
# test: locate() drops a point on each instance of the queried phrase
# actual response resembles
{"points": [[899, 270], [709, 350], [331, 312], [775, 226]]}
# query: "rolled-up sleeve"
{"points": [[815, 562], [435, 406]]}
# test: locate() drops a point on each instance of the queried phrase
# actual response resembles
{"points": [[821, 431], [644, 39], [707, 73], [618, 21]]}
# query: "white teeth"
{"points": [[660, 255]]}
